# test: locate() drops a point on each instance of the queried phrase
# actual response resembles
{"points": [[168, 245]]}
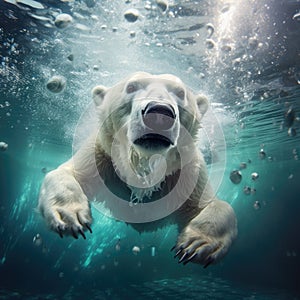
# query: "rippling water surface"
{"points": [[244, 55]]}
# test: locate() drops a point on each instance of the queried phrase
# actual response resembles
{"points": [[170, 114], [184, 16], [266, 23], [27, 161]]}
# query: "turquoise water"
{"points": [[251, 76]]}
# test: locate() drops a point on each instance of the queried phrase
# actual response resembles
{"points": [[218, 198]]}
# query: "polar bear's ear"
{"points": [[98, 94], [202, 103]]}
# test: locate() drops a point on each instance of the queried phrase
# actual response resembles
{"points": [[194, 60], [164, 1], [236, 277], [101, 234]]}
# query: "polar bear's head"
{"points": [[147, 115]]}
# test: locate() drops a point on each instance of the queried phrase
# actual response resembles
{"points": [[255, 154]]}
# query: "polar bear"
{"points": [[144, 162]]}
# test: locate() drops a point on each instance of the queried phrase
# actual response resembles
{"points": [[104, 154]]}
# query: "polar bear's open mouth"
{"points": [[154, 141]]}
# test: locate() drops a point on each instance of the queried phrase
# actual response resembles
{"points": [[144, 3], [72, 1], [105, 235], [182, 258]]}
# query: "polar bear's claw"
{"points": [[74, 234], [87, 225], [202, 253], [208, 261], [73, 230], [198, 251], [185, 254], [177, 253], [82, 233], [189, 258], [76, 231], [66, 222], [59, 230]]}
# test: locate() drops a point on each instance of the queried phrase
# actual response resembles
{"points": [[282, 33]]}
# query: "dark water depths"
{"points": [[251, 76]]}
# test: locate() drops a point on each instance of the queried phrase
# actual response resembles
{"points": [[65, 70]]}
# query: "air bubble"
{"points": [[56, 84], [210, 30], [136, 250], [254, 176], [262, 154], [225, 8], [247, 190], [63, 21], [37, 240], [296, 17], [256, 205], [210, 44], [243, 165], [292, 131], [162, 4], [131, 15], [252, 43], [3, 146], [235, 176]]}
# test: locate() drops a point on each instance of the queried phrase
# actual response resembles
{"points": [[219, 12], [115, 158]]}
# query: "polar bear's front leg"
{"points": [[208, 236], [64, 205]]}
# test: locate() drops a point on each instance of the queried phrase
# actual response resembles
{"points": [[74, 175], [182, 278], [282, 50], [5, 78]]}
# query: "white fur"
{"points": [[208, 224]]}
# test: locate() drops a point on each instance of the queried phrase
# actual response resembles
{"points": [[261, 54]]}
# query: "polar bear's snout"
{"points": [[156, 126], [158, 116]]}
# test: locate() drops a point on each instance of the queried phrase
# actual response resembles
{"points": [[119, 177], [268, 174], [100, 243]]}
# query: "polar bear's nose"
{"points": [[158, 116]]}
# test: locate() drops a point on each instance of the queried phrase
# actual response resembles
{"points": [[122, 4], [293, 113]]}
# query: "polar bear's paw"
{"points": [[64, 206], [207, 238], [200, 248], [71, 219]]}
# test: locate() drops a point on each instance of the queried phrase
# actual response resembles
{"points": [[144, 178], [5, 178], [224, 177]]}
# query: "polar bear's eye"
{"points": [[180, 93], [132, 87]]}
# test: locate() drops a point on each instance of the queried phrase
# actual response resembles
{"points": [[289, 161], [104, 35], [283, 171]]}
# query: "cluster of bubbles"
{"points": [[290, 117], [132, 15], [236, 178], [62, 20], [295, 154], [38, 242], [135, 249]]}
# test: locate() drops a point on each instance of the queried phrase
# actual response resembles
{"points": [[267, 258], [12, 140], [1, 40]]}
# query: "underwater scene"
{"points": [[243, 55]]}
